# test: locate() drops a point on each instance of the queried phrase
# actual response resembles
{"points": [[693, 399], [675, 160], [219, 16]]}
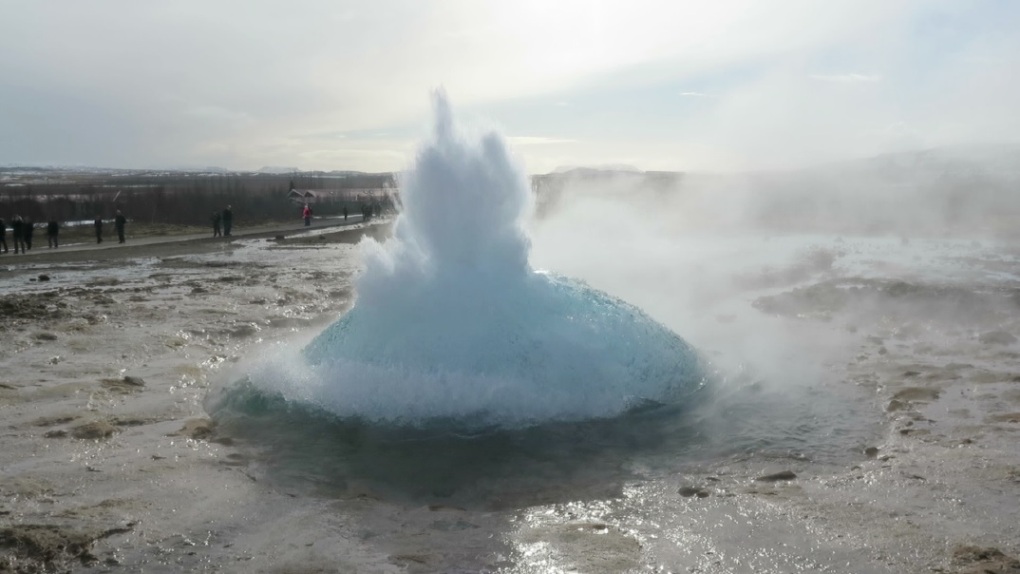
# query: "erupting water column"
{"points": [[451, 323]]}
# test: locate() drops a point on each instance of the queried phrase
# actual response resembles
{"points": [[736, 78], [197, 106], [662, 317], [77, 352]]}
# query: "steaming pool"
{"points": [[780, 380], [460, 365], [654, 398], [802, 349], [877, 371]]}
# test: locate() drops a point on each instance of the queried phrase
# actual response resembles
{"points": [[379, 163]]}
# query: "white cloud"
{"points": [[847, 78], [537, 140], [244, 81]]}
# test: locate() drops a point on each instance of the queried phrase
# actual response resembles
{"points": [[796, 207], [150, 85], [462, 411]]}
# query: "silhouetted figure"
{"points": [[345, 213], [98, 224], [306, 214], [3, 235], [118, 223], [18, 234], [228, 221], [52, 229], [29, 228], [216, 219]]}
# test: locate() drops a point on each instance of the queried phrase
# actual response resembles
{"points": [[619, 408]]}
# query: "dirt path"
{"points": [[166, 245]]}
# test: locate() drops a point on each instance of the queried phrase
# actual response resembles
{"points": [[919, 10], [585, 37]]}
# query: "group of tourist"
{"points": [[119, 222], [21, 234], [23, 229], [367, 210], [222, 223], [222, 220]]}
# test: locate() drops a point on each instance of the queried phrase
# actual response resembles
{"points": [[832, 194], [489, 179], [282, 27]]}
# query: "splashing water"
{"points": [[452, 324]]}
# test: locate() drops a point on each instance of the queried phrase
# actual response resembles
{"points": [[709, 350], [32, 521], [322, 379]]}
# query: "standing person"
{"points": [[98, 224], [27, 233], [52, 229], [228, 221], [345, 213], [118, 223], [216, 224], [306, 214], [3, 235], [30, 226], [18, 234]]}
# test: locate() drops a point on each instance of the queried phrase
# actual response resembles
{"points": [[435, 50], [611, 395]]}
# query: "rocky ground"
{"points": [[109, 462], [106, 358]]}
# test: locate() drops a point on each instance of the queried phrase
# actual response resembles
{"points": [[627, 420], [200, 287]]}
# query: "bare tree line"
{"points": [[172, 198]]}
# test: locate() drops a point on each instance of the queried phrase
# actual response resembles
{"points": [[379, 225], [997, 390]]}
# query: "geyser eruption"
{"points": [[451, 324]]}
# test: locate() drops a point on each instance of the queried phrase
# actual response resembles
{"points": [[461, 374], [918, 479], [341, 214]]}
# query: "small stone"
{"points": [[44, 277], [895, 405], [916, 394], [871, 452], [978, 560], [777, 476], [1004, 418], [123, 385], [93, 430], [197, 429], [997, 338]]}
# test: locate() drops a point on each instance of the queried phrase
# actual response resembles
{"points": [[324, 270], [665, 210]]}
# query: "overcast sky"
{"points": [[340, 84]]}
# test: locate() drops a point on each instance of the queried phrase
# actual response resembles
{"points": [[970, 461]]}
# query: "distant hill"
{"points": [[277, 170], [608, 168], [933, 191], [942, 191], [551, 188]]}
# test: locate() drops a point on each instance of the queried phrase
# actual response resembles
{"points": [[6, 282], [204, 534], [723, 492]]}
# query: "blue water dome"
{"points": [[452, 324]]}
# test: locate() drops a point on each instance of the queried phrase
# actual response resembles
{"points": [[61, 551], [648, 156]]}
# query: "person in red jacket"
{"points": [[306, 214]]}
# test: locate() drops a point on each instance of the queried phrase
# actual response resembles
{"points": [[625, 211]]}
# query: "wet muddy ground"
{"points": [[110, 462]]}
